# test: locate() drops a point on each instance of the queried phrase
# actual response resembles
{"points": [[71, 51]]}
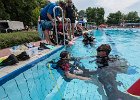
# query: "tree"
{"points": [[95, 15], [99, 16], [90, 14], [132, 17], [115, 18], [3, 14], [118, 17], [36, 12], [35, 15], [82, 13], [41, 3], [21, 10]]}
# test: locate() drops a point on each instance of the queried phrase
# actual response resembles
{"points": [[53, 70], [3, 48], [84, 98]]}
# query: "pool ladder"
{"points": [[68, 21]]}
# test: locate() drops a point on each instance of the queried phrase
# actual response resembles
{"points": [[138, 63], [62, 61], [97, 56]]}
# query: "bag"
{"points": [[23, 56], [11, 60]]}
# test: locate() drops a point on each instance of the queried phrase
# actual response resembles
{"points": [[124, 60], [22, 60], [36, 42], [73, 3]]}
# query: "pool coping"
{"points": [[25, 67]]}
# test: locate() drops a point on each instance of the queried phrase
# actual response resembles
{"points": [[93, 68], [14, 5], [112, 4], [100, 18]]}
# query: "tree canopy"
{"points": [[115, 18], [26, 11], [95, 15], [118, 18], [132, 17]]}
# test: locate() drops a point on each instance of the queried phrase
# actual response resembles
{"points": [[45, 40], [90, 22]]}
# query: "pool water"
{"points": [[42, 82], [126, 45]]}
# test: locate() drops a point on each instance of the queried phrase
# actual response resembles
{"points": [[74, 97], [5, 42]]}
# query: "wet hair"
{"points": [[85, 35], [104, 47], [64, 54]]}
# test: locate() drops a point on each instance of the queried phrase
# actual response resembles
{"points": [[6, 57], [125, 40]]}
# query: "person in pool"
{"points": [[70, 71], [107, 73], [102, 57], [87, 39]]}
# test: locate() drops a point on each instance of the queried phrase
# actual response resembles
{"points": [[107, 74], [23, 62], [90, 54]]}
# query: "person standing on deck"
{"points": [[46, 18], [71, 14]]}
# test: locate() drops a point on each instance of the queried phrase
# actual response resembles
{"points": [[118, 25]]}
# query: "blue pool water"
{"points": [[42, 82]]}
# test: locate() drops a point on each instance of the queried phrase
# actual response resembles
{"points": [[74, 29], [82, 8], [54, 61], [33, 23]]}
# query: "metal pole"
{"points": [[55, 24], [70, 26], [56, 7], [63, 26]]}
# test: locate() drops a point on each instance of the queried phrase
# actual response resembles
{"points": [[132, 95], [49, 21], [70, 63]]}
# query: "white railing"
{"points": [[54, 10]]}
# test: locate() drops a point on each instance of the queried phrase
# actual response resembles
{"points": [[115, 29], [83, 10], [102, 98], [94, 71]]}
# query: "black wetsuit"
{"points": [[102, 61], [88, 39], [70, 13]]}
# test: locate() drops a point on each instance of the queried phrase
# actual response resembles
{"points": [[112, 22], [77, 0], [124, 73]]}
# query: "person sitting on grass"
{"points": [[70, 71]]}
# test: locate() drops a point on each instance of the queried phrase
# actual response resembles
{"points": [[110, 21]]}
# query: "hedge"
{"points": [[17, 38]]}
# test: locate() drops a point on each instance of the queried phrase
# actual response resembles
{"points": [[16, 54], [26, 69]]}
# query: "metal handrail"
{"points": [[69, 21], [54, 9]]}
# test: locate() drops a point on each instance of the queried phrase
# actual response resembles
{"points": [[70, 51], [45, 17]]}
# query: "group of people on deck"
{"points": [[46, 19]]}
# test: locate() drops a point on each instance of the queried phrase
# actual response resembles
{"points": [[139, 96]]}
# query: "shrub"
{"points": [[17, 38]]}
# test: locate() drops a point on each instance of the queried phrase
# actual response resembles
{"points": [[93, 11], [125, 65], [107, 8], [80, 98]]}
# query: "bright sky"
{"points": [[109, 5]]}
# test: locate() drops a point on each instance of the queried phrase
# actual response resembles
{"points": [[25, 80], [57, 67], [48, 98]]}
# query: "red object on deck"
{"points": [[135, 88], [103, 25]]}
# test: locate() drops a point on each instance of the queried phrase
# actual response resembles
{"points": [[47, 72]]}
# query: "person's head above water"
{"points": [[64, 55], [103, 50]]}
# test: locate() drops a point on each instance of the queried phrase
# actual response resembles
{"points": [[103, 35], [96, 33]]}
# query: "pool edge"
{"points": [[25, 67]]}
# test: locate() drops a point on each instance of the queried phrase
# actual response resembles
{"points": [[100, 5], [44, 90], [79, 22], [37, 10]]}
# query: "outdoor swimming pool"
{"points": [[38, 81]]}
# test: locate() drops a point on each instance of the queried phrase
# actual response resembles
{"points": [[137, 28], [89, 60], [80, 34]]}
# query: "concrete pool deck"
{"points": [[8, 69]]}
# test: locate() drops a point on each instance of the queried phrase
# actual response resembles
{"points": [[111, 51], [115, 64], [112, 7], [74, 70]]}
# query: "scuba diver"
{"points": [[106, 73], [70, 71], [102, 57], [88, 39], [108, 68]]}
